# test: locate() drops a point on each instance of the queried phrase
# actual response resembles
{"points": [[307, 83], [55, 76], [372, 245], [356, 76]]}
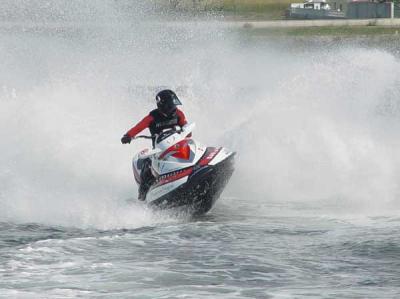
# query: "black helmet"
{"points": [[167, 101]]}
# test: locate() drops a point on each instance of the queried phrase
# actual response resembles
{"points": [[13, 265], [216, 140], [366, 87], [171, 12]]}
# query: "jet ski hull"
{"points": [[202, 189]]}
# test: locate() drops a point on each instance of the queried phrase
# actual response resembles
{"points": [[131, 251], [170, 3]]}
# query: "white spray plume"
{"points": [[321, 126]]}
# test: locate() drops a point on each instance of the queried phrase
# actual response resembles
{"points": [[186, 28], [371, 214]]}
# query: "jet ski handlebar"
{"points": [[168, 132], [143, 137]]}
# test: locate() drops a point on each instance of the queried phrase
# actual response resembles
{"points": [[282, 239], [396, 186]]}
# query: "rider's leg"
{"points": [[146, 177]]}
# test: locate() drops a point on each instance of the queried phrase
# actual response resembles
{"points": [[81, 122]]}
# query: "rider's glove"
{"points": [[126, 139]]}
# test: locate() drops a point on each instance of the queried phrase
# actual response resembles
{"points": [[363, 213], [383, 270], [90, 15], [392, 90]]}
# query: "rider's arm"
{"points": [[143, 124], [181, 118]]}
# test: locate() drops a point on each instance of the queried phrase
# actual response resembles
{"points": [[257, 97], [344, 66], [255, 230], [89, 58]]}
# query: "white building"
{"points": [[312, 4]]}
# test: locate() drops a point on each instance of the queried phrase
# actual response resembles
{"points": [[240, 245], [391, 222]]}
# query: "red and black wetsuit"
{"points": [[157, 122]]}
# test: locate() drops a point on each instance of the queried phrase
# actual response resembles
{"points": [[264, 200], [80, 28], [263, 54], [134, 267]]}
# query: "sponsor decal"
{"points": [[176, 175], [173, 176], [209, 155], [167, 123]]}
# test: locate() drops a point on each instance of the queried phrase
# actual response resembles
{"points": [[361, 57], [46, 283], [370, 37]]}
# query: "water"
{"points": [[222, 255], [311, 211]]}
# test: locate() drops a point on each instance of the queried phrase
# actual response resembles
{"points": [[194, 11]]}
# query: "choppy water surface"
{"points": [[224, 255], [311, 211]]}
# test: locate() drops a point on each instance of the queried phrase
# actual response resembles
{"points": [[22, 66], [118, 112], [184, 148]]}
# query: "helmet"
{"points": [[167, 101]]}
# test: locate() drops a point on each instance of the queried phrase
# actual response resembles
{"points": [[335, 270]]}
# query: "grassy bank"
{"points": [[235, 9], [324, 31], [256, 9]]}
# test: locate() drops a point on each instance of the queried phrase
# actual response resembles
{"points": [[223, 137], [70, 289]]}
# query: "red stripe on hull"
{"points": [[176, 175], [173, 176], [209, 156]]}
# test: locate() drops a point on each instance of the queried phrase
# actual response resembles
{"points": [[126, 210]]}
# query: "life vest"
{"points": [[162, 122]]}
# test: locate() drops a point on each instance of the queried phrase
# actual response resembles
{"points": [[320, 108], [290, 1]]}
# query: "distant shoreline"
{"points": [[252, 27], [316, 23], [348, 27]]}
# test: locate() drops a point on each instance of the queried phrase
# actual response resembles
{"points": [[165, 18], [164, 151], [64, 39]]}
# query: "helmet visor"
{"points": [[176, 101], [173, 99]]}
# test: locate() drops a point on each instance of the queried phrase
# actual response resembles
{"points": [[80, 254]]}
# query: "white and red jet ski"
{"points": [[187, 175]]}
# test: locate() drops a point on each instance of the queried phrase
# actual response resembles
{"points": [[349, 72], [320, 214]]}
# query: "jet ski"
{"points": [[186, 175]]}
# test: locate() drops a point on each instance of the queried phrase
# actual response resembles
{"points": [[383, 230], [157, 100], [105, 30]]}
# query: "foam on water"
{"points": [[317, 126]]}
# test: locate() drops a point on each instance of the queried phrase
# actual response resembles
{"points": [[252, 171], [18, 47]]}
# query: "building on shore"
{"points": [[312, 4], [341, 9], [314, 9]]}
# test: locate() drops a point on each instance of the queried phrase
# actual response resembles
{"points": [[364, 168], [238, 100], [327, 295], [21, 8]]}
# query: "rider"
{"points": [[166, 116]]}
